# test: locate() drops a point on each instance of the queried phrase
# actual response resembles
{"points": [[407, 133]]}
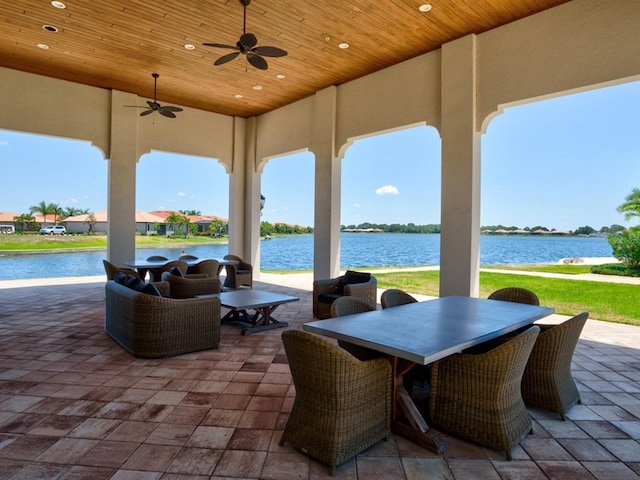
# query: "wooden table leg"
{"points": [[406, 418], [262, 320]]}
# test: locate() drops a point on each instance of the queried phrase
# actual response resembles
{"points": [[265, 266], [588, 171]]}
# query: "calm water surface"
{"points": [[357, 249]]}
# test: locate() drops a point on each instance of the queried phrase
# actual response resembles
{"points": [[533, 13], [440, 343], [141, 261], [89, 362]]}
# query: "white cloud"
{"points": [[387, 190], [4, 143], [356, 205], [182, 194]]}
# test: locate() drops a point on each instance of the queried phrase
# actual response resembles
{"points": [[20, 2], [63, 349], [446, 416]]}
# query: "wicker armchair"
{"points": [[326, 291], [515, 294], [208, 267], [477, 397], [342, 405], [179, 264], [191, 285], [348, 305], [239, 274], [547, 382], [111, 269], [150, 326], [394, 297]]}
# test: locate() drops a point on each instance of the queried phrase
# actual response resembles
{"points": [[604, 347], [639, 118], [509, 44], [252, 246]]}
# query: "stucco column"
{"points": [[460, 214], [237, 186], [326, 239], [121, 195]]}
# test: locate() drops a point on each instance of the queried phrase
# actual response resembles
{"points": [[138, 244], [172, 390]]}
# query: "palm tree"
{"points": [[42, 208], [173, 219], [25, 219], [55, 210], [631, 205]]}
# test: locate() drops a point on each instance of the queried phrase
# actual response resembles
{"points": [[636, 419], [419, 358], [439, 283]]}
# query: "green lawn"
{"points": [[612, 302], [56, 242]]}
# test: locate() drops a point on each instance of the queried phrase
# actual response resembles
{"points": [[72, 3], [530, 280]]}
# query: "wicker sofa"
{"points": [[150, 326]]}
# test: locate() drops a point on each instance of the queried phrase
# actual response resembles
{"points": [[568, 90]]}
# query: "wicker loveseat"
{"points": [[355, 284], [150, 326]]}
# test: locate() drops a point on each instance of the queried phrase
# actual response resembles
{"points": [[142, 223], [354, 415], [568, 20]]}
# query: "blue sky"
{"points": [[561, 163]]}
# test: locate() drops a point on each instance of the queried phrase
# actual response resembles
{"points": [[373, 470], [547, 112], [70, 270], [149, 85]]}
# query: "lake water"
{"points": [[357, 250]]}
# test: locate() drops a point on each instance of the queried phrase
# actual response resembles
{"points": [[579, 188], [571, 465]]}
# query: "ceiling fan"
{"points": [[247, 46], [166, 110]]}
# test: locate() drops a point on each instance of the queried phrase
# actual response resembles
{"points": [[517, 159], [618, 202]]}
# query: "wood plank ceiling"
{"points": [[117, 44]]}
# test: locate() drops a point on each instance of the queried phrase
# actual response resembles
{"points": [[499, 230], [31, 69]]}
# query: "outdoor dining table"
{"points": [[422, 333], [155, 265]]}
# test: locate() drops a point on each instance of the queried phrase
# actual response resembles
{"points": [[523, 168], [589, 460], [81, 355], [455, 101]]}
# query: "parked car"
{"points": [[53, 230]]}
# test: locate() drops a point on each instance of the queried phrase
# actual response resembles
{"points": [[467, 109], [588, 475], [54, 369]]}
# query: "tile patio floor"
{"points": [[74, 405]]}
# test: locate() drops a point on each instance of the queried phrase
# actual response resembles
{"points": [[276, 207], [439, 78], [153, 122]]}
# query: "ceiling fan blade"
{"points": [[135, 106], [269, 51], [226, 58], [167, 113], [146, 112], [249, 40], [170, 108], [220, 45], [257, 61]]}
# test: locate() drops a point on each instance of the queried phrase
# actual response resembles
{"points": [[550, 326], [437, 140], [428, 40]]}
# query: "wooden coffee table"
{"points": [[262, 303]]}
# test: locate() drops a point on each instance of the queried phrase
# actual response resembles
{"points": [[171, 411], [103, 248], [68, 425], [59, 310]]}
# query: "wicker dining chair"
{"points": [[477, 397], [394, 297], [153, 258], [349, 305], [179, 264], [515, 294], [547, 382], [208, 267], [342, 405], [111, 269]]}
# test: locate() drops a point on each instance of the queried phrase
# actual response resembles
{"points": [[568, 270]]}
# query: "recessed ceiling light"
{"points": [[238, 96], [189, 46], [281, 76], [57, 4], [50, 28], [343, 45], [43, 46], [257, 87], [425, 7]]}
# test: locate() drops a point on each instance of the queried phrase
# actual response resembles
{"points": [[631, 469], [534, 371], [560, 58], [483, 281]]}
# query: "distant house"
{"points": [[145, 222], [7, 222], [202, 221]]}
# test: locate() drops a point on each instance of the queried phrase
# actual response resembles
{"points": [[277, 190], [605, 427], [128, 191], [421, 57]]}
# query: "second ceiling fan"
{"points": [[247, 46]]}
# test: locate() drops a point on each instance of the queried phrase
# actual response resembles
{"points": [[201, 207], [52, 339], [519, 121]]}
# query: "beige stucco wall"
{"points": [[576, 46]]}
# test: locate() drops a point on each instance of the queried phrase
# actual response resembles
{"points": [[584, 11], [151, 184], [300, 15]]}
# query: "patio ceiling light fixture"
{"points": [[262, 200]]}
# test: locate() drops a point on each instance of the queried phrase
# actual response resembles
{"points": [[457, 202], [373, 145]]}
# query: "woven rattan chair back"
{"points": [[208, 267], [111, 270], [477, 397], [240, 274], [547, 382], [515, 294], [349, 305], [394, 297], [342, 405]]}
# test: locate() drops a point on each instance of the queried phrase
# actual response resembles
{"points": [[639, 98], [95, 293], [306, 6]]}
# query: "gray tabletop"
{"points": [[159, 263], [424, 332], [251, 298]]}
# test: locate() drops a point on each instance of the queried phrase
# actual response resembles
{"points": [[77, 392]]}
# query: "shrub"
{"points": [[619, 269], [626, 247]]}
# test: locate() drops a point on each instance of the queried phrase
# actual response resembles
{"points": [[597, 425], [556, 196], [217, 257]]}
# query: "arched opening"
{"points": [[391, 187]]}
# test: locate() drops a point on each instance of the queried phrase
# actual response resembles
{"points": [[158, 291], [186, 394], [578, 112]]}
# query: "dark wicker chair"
{"points": [[157, 272], [240, 274], [477, 397], [342, 405], [208, 267], [515, 294], [111, 269], [394, 297], [326, 290], [547, 382]]}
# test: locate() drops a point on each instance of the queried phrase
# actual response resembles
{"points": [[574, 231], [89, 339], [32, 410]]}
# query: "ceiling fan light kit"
{"points": [[247, 46]]}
